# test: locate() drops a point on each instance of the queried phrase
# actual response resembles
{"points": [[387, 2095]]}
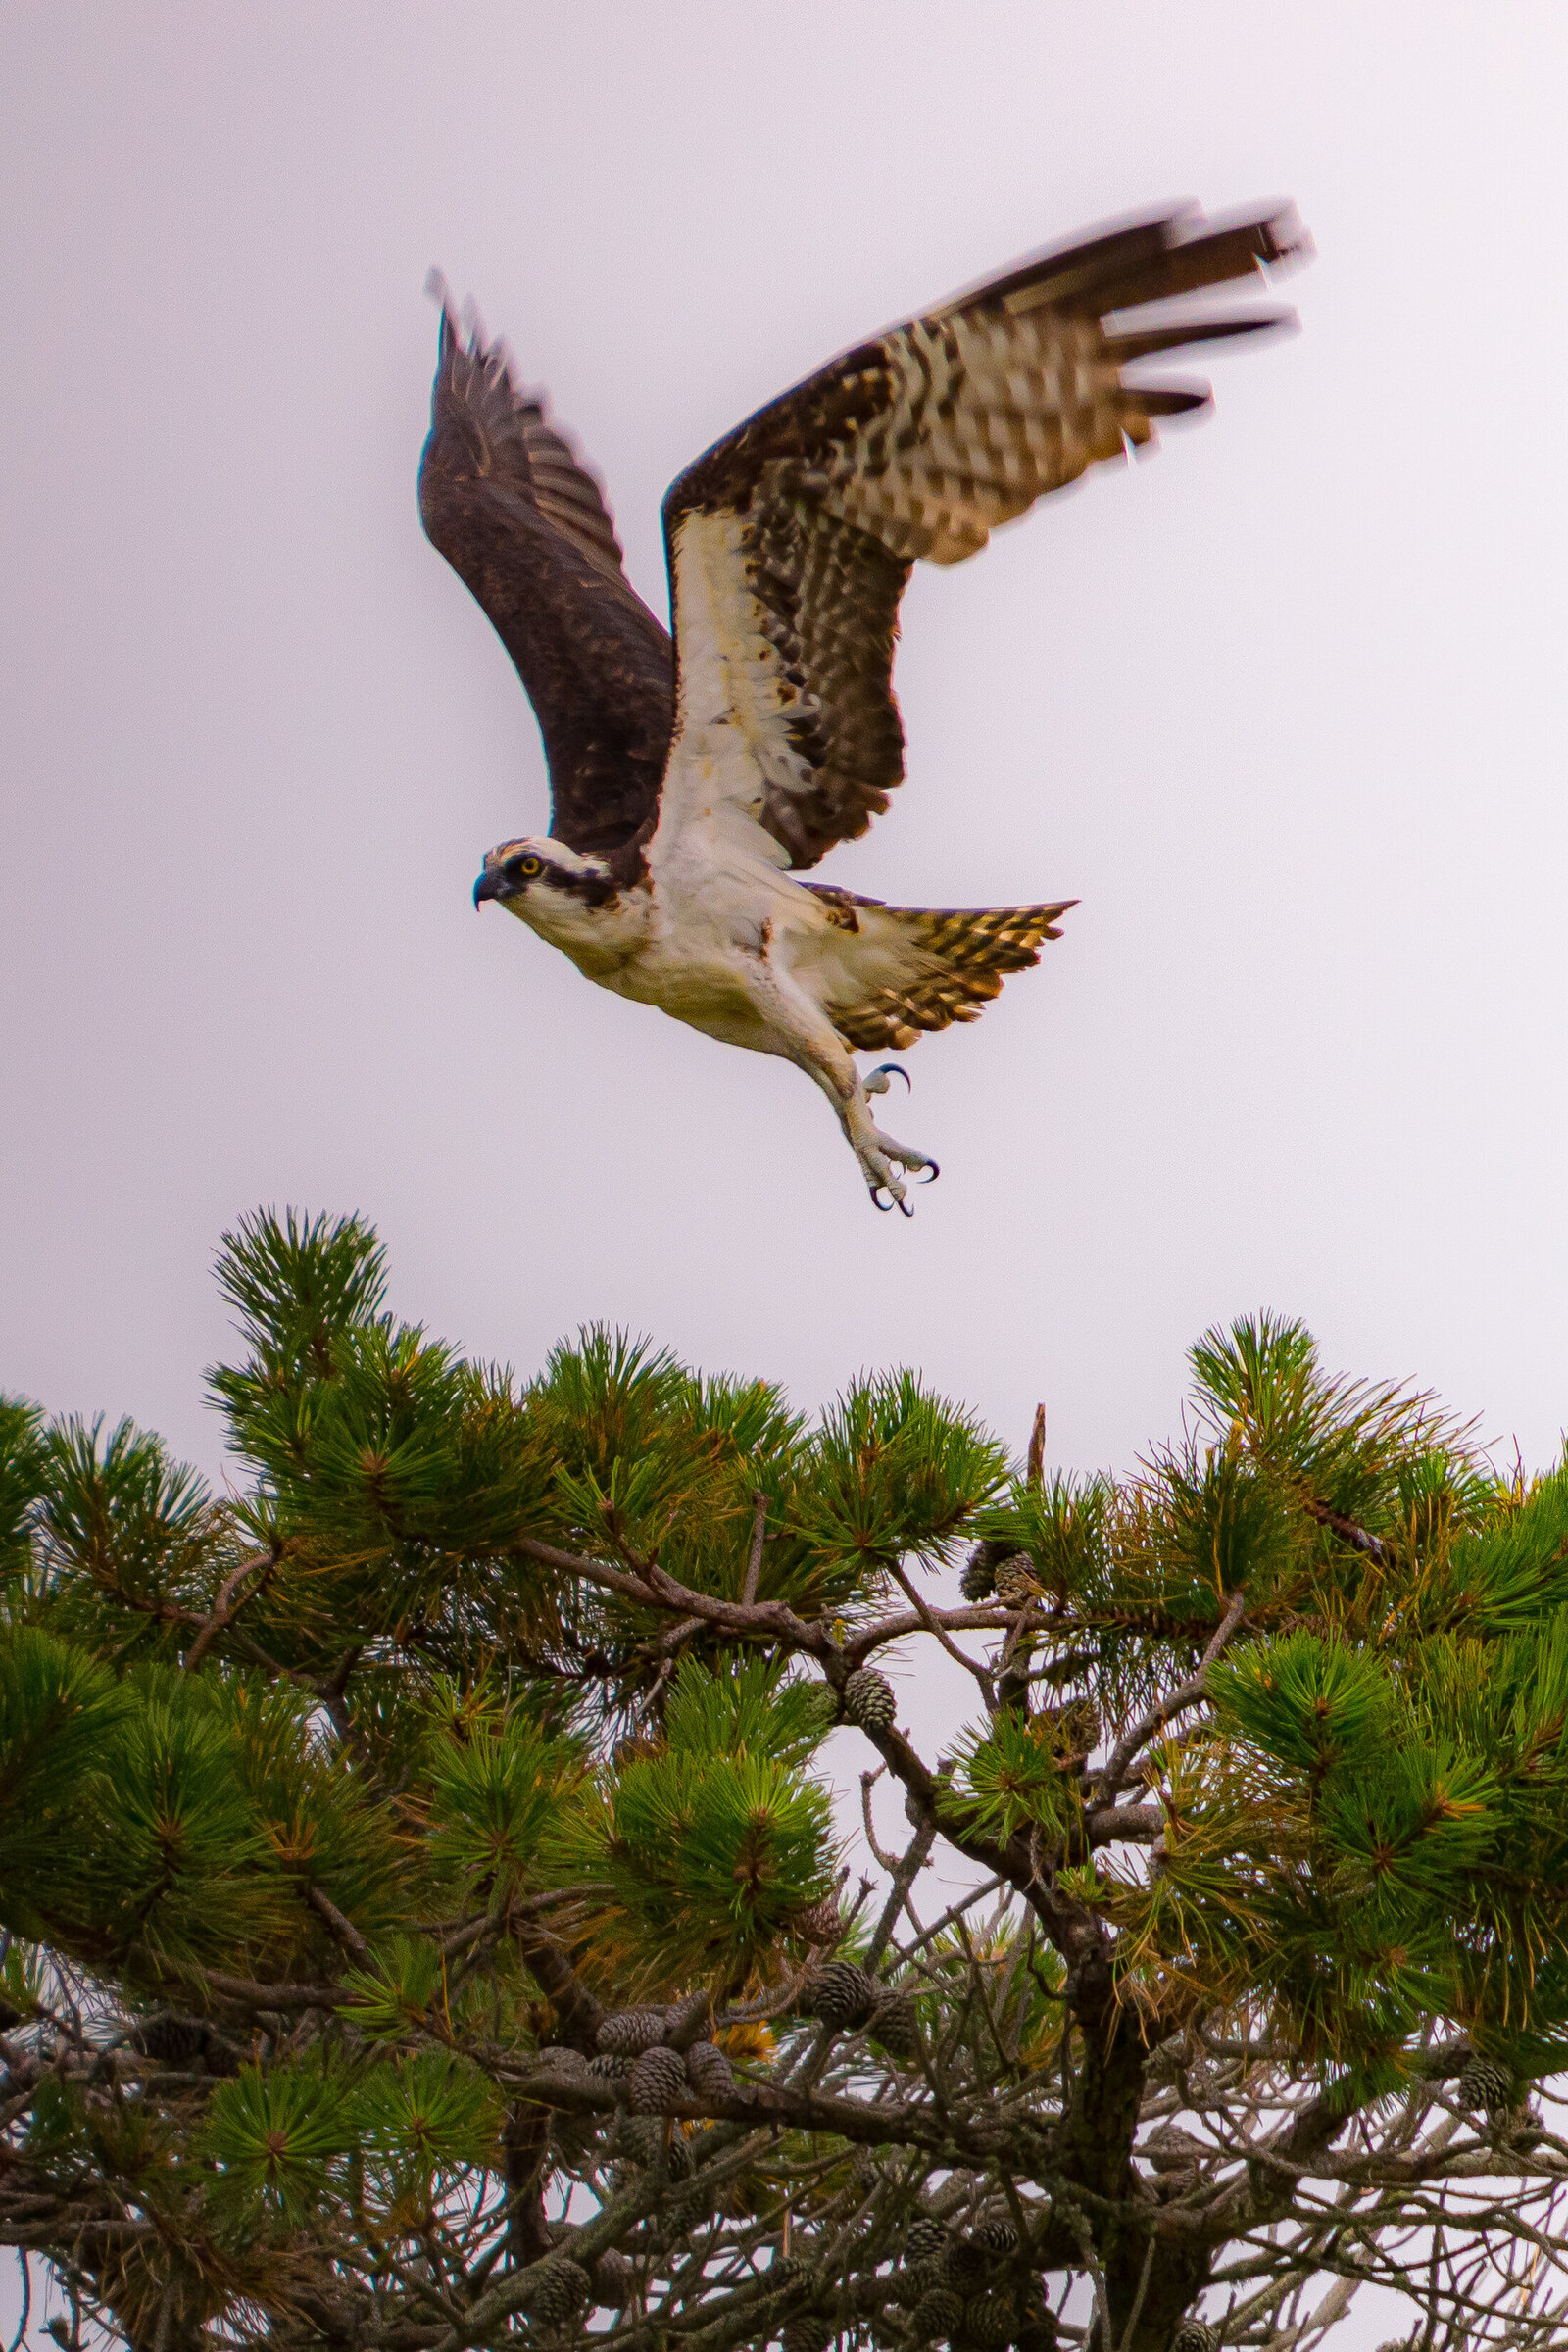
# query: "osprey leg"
{"points": [[880, 1156], [801, 1031], [821, 1052]]}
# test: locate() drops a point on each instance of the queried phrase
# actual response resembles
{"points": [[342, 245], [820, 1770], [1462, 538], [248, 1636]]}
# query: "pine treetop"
{"points": [[426, 1916]]}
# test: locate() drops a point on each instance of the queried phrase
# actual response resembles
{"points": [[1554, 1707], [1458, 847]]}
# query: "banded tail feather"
{"points": [[923, 968]]}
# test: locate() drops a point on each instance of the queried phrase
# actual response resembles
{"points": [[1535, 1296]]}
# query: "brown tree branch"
{"points": [[343, 1930], [225, 1608], [753, 1564], [1174, 1703], [1349, 1530]]}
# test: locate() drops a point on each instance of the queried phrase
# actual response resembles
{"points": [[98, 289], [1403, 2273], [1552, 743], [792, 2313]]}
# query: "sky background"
{"points": [[1283, 707]]}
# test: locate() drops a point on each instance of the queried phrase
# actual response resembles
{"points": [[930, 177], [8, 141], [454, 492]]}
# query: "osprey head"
{"points": [[538, 880]]}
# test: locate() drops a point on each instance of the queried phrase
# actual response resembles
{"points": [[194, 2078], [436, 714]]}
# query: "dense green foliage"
{"points": [[359, 1827]]}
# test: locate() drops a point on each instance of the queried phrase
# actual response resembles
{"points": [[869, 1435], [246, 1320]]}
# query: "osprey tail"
{"points": [[892, 971]]}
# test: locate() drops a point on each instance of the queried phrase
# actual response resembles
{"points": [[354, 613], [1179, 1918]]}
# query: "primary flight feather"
{"points": [[692, 782]]}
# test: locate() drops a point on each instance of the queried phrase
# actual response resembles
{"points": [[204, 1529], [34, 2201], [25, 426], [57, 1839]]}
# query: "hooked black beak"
{"points": [[491, 884]]}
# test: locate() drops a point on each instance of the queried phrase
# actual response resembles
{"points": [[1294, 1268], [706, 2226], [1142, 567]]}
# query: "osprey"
{"points": [[692, 783]]}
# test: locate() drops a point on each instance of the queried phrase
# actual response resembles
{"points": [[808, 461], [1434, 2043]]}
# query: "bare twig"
{"points": [[928, 1619], [20, 2336], [954, 1911], [915, 1856], [1174, 1703], [868, 1780]]}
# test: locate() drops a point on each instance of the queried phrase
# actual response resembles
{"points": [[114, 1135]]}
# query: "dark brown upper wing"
{"points": [[523, 524], [796, 533]]}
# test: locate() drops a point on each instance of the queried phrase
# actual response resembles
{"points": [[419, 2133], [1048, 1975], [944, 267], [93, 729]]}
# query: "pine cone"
{"points": [[938, 2313], [557, 2290], [1194, 2335], [1016, 1583], [1037, 2331], [808, 2333], [630, 2031], [610, 2067], [1170, 2149], [1202, 2078], [896, 2027], [615, 2280], [841, 1995], [561, 2059], [658, 2082], [639, 2140], [819, 1922], [1080, 1726], [571, 2137], [788, 2271], [979, 1579], [1484, 2084], [868, 1700], [925, 2238], [1180, 2181], [997, 2235], [707, 2071], [989, 2321], [677, 2219], [174, 2041], [916, 2280], [964, 2266], [1168, 2057]]}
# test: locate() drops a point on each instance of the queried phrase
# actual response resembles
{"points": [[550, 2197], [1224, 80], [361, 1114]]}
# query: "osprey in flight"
{"points": [[692, 783]]}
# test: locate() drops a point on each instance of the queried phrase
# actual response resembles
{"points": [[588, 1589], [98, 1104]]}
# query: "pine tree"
{"points": [[424, 1917]]}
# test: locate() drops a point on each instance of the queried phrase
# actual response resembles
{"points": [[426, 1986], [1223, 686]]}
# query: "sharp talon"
{"points": [[932, 1172], [889, 1069], [905, 1210], [883, 1205]]}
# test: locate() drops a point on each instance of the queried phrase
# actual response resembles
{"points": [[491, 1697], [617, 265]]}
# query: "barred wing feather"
{"points": [[791, 540]]}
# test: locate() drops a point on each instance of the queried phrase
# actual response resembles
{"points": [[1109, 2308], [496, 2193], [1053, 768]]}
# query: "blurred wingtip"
{"points": [[1289, 240]]}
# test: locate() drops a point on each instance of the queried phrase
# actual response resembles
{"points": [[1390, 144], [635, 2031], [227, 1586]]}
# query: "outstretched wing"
{"points": [[790, 541], [524, 525]]}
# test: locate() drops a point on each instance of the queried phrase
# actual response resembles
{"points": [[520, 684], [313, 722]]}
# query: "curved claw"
{"points": [[883, 1205], [890, 1069], [905, 1210], [932, 1172]]}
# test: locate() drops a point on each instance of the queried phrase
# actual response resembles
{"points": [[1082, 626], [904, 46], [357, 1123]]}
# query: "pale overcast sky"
{"points": [[1283, 707]]}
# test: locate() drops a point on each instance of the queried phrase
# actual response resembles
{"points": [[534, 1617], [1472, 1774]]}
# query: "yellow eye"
{"points": [[529, 867]]}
